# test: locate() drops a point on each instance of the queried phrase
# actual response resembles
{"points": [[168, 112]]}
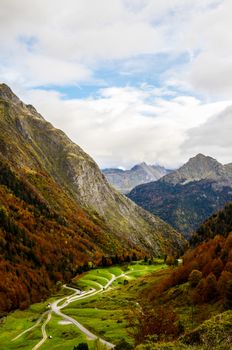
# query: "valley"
{"points": [[57, 211], [115, 175], [93, 310], [82, 263]]}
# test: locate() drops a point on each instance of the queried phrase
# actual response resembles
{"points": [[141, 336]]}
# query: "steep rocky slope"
{"points": [[57, 211], [125, 180], [186, 197]]}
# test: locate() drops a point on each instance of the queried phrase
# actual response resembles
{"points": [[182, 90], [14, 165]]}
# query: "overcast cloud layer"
{"points": [[129, 81]]}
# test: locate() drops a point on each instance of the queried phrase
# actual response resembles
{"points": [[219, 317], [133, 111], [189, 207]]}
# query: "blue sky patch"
{"points": [[28, 41], [139, 70]]}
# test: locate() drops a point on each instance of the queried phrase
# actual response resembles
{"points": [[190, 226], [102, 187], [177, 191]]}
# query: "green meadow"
{"points": [[104, 314]]}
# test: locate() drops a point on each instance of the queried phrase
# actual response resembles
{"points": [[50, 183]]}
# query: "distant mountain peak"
{"points": [[187, 196], [201, 164], [142, 165], [201, 167], [201, 157], [125, 180]]}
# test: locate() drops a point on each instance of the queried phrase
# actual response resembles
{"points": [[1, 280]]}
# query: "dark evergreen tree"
{"points": [[134, 257], [228, 296], [104, 261], [123, 345]]}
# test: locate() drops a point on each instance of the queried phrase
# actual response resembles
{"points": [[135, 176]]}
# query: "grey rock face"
{"points": [[125, 180]]}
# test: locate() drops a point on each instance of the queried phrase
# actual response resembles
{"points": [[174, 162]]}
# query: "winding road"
{"points": [[59, 304]]}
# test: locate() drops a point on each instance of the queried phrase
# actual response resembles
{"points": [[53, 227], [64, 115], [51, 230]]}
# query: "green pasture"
{"points": [[104, 314]]}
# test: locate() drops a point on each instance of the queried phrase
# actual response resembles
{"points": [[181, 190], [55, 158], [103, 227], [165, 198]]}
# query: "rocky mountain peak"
{"points": [[200, 156], [7, 94], [201, 166], [125, 180], [139, 166], [198, 168], [201, 159]]}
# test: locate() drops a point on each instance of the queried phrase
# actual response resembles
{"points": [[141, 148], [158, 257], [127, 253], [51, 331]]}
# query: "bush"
{"points": [[223, 281], [194, 277], [211, 287], [123, 345], [161, 322], [81, 346]]}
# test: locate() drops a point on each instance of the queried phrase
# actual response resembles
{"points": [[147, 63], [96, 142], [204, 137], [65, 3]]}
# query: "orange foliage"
{"points": [[161, 322], [38, 247], [213, 260]]}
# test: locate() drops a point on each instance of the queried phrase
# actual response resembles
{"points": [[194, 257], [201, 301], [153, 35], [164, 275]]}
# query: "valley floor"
{"points": [[94, 311]]}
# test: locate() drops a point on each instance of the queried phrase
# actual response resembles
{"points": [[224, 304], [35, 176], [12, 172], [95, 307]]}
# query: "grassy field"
{"points": [[105, 314]]}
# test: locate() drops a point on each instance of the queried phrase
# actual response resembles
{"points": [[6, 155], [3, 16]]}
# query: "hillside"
{"points": [[218, 222], [214, 333], [58, 212], [194, 297], [186, 197], [126, 180], [184, 207]]}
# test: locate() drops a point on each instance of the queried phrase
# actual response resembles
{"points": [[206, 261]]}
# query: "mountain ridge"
{"points": [[125, 180], [187, 196], [201, 167], [50, 149]]}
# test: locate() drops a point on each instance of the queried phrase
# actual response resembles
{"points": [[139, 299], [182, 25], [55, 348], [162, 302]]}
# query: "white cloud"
{"points": [[85, 33], [124, 126], [212, 74], [213, 137], [67, 34], [64, 43], [210, 44]]}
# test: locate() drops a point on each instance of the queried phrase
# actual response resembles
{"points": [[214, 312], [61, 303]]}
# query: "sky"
{"points": [[127, 80]]}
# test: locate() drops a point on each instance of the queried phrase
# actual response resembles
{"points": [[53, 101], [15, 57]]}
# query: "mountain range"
{"points": [[126, 180], [187, 196], [58, 214]]}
